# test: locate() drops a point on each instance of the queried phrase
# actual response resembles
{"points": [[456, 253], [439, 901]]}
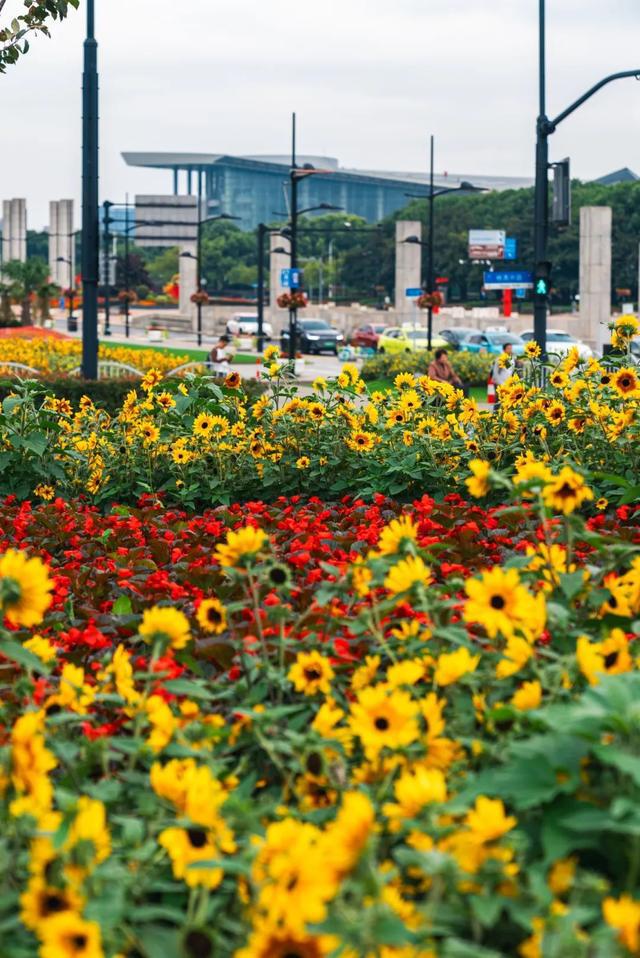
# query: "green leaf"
{"points": [[187, 687], [17, 653], [36, 442], [122, 605], [624, 761], [571, 583]]}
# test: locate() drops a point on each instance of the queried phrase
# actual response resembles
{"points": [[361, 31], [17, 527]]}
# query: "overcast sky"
{"points": [[369, 79]]}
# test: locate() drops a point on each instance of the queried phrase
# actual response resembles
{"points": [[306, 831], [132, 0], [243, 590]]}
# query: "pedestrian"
{"points": [[502, 369], [442, 371], [220, 356]]}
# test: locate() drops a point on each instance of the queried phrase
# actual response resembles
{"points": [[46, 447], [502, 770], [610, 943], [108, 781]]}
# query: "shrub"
{"points": [[471, 367]]}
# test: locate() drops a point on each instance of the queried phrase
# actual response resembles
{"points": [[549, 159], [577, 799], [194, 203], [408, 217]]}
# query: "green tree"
{"points": [[14, 34], [45, 291], [162, 265], [25, 279]]}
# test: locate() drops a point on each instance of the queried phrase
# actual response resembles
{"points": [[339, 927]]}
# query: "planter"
{"points": [[154, 335], [298, 366]]}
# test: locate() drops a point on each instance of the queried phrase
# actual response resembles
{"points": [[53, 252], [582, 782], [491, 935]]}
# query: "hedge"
{"points": [[109, 394], [472, 368]]}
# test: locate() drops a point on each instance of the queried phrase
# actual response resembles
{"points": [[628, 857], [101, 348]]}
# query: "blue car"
{"points": [[494, 343]]}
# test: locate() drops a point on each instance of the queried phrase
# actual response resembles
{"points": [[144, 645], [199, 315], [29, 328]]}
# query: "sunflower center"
{"points": [[565, 491], [312, 675], [497, 602], [213, 615], [611, 659], [624, 382], [79, 942], [381, 723], [198, 945], [52, 903], [278, 576], [197, 837]]}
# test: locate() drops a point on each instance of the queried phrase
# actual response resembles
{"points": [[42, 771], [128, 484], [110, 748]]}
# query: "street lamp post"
{"points": [[262, 232], [71, 320], [544, 128], [463, 187], [107, 258], [90, 226]]}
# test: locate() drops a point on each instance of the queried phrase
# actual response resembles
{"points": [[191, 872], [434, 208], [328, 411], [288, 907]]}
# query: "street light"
{"points": [[544, 128], [90, 199], [198, 256], [463, 187], [72, 325]]}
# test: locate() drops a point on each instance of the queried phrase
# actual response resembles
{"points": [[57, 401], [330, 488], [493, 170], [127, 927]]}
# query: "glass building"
{"points": [[256, 188]]}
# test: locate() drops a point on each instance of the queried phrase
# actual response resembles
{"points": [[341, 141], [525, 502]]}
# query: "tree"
{"points": [[14, 34], [132, 273], [162, 265], [6, 312], [25, 279], [45, 291]]}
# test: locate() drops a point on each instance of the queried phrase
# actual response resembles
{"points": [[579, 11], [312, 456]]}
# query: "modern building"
{"points": [[625, 175], [255, 188]]}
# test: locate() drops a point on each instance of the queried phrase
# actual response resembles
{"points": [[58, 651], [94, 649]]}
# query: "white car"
{"points": [[246, 324], [561, 342]]}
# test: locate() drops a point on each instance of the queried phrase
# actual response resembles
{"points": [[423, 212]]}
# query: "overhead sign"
{"points": [[413, 292], [165, 221], [511, 248], [487, 244], [290, 278], [509, 279]]}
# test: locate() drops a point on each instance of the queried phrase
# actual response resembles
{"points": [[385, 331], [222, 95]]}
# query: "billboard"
{"points": [[487, 244], [166, 220]]}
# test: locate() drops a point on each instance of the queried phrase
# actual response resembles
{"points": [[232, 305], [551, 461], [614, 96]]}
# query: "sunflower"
{"points": [[361, 441], [496, 601], [311, 673], [44, 491], [24, 588], [406, 573], [383, 719], [187, 847], [566, 492], [559, 379], [165, 400], [623, 915], [203, 424], [395, 534], [303, 462], [532, 350], [233, 380], [68, 935], [241, 544], [165, 622], [317, 411], [478, 482], [151, 379], [212, 616], [626, 382], [555, 413], [405, 381], [41, 901], [396, 417]]}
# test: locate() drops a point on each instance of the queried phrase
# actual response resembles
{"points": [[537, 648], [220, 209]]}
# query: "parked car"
{"points": [[634, 349], [396, 339], [454, 335], [313, 336], [368, 336], [246, 324], [560, 342], [494, 343]]}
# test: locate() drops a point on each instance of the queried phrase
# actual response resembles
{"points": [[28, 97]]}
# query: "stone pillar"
{"points": [[14, 230], [188, 280], [408, 268], [277, 262], [54, 265], [595, 274], [66, 241]]}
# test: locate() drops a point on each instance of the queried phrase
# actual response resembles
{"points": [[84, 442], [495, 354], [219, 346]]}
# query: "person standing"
{"points": [[442, 371], [220, 355], [502, 369]]}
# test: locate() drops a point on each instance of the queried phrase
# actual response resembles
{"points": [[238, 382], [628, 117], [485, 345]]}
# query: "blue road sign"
{"points": [[511, 248], [413, 292], [290, 278], [521, 294], [509, 279]]}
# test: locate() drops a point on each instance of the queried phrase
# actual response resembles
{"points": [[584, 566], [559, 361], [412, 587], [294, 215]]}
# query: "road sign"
{"points": [[290, 278], [509, 279], [511, 248], [486, 244], [411, 292], [521, 293]]}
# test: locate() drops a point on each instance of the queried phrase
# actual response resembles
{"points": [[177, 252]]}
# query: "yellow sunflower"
{"points": [[241, 544], [311, 673], [212, 616], [566, 492], [497, 601], [383, 719], [25, 588], [165, 623], [407, 573], [68, 935]]}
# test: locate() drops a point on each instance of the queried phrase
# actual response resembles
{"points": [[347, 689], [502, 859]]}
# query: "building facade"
{"points": [[256, 188]]}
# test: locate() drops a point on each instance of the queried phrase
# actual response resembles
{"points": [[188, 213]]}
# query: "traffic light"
{"points": [[542, 280], [561, 207]]}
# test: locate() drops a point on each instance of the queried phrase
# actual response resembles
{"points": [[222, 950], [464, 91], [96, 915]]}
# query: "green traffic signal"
{"points": [[542, 287]]}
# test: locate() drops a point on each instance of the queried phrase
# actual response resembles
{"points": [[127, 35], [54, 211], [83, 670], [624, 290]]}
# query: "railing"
{"points": [[110, 369], [20, 367]]}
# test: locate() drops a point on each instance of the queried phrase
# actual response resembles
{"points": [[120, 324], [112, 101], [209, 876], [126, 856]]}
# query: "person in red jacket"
{"points": [[442, 371]]}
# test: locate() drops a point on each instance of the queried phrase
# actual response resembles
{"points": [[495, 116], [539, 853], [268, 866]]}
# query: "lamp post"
{"points": [[463, 187], [71, 320], [544, 128], [198, 258], [261, 233], [90, 226], [107, 259]]}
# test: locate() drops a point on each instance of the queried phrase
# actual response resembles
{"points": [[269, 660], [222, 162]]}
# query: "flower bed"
{"points": [[316, 730], [53, 356]]}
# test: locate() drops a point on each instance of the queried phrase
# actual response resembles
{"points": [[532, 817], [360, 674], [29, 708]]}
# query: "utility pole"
{"points": [[126, 267], [293, 312], [107, 260], [262, 232], [544, 128], [430, 250], [90, 226]]}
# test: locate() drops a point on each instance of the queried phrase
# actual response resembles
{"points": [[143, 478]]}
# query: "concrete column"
{"points": [[66, 239], [277, 262], [408, 268], [14, 230], [6, 231], [188, 280], [595, 274], [54, 265]]}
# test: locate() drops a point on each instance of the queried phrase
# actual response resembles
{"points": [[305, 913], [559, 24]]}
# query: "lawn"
{"points": [[194, 354]]}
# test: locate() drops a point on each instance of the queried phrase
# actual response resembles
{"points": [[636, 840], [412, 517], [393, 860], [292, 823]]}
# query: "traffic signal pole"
{"points": [[90, 224], [544, 128]]}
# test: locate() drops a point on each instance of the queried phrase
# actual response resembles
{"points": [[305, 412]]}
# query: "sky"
{"points": [[368, 79]]}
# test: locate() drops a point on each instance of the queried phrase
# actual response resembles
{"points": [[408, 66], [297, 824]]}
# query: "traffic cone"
{"points": [[491, 391], [259, 367]]}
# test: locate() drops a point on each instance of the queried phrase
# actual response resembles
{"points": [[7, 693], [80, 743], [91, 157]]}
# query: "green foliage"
{"points": [[14, 35], [25, 279], [472, 368]]}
